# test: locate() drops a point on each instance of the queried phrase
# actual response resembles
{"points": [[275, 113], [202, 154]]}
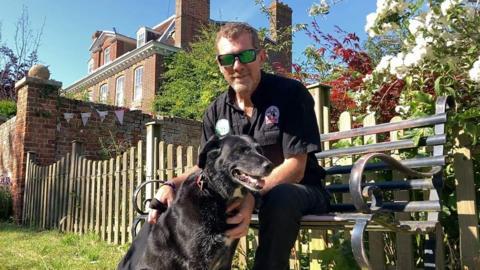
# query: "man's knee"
{"points": [[280, 201]]}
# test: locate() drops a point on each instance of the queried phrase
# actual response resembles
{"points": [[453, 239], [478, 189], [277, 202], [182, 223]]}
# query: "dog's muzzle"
{"points": [[251, 182]]}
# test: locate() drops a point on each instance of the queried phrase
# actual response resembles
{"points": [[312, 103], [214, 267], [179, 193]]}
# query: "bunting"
{"points": [[68, 116], [85, 117], [119, 114], [102, 115]]}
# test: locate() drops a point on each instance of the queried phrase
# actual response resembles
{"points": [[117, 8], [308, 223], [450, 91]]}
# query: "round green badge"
{"points": [[222, 127]]}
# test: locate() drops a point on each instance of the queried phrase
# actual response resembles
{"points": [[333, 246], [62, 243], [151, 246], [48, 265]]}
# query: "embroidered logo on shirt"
{"points": [[222, 127], [272, 115]]}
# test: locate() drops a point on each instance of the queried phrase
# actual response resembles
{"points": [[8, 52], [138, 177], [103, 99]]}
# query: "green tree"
{"points": [[192, 79]]}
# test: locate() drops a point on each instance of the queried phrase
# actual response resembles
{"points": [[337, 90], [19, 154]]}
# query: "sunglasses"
{"points": [[244, 57]]}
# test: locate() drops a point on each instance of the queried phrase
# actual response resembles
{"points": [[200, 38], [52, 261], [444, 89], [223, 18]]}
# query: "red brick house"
{"points": [[126, 71]]}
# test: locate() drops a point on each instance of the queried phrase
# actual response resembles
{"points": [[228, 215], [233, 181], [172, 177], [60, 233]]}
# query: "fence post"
{"points": [[466, 202], [404, 241], [27, 194], [375, 239], [76, 151], [321, 96], [153, 130]]}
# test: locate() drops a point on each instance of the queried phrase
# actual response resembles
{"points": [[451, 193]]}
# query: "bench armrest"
{"points": [[355, 181]]}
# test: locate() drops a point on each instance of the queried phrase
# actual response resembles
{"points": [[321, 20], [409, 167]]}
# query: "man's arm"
{"points": [[166, 194], [291, 170]]}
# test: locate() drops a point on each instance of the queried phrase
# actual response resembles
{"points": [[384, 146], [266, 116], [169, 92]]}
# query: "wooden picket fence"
{"points": [[79, 195]]}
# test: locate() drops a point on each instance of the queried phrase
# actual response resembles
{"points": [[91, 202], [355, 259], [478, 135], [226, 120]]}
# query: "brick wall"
{"points": [[153, 66], [40, 127], [7, 133], [175, 130], [123, 47], [96, 59]]}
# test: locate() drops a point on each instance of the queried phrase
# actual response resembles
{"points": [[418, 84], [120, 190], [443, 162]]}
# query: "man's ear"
{"points": [[262, 56], [211, 149]]}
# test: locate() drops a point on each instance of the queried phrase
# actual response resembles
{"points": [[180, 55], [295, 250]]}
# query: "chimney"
{"points": [[281, 19], [190, 16]]}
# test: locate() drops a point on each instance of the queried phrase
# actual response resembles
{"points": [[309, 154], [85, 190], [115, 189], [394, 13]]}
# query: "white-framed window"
{"points": [[90, 95], [120, 85], [103, 93], [141, 35], [90, 66], [106, 56], [137, 84]]}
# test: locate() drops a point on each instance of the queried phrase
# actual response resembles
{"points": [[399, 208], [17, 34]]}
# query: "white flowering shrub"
{"points": [[439, 55]]}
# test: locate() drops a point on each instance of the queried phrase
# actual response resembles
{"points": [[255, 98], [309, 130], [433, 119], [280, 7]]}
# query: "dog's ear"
{"points": [[211, 149]]}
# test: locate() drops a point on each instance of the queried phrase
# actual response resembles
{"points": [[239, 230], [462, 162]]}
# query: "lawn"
{"points": [[26, 248]]}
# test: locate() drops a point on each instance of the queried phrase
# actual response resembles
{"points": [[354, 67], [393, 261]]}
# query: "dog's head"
{"points": [[237, 158]]}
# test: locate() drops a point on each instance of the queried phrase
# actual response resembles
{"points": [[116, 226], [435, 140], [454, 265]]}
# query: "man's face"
{"points": [[243, 78]]}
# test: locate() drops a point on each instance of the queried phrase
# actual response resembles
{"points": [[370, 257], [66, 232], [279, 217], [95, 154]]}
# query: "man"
{"points": [[279, 113]]}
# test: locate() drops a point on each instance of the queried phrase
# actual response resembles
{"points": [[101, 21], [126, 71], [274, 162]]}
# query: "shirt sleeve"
{"points": [[208, 126], [300, 131]]}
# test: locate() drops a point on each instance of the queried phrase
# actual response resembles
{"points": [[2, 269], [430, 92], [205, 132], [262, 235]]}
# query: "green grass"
{"points": [[27, 248]]}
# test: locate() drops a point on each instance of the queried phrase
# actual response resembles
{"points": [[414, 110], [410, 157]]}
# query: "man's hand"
{"points": [[242, 218], [165, 195]]}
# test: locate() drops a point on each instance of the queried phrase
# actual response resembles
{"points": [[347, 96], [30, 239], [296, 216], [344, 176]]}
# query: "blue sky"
{"points": [[69, 25]]}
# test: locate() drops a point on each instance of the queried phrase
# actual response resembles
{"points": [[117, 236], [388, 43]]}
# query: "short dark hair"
{"points": [[233, 30]]}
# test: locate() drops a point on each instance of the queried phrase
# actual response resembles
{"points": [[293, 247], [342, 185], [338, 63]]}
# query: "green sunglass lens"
{"points": [[226, 60], [247, 56], [244, 57]]}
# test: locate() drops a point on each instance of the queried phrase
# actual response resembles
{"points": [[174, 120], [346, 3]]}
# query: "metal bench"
{"points": [[371, 205]]}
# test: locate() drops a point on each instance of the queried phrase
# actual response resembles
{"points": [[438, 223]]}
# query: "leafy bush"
{"points": [[6, 203], [192, 79], [8, 108]]}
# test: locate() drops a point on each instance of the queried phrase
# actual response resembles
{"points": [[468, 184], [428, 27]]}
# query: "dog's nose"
{"points": [[267, 166]]}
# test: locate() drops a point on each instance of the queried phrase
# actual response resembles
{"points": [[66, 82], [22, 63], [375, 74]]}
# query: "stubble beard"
{"points": [[242, 87]]}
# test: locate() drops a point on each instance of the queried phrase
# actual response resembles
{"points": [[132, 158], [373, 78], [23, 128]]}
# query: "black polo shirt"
{"points": [[283, 122]]}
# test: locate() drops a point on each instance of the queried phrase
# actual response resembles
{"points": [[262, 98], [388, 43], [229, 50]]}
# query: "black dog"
{"points": [[190, 234]]}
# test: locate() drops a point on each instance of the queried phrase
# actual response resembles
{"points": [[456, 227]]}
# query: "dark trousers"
{"points": [[279, 216]]}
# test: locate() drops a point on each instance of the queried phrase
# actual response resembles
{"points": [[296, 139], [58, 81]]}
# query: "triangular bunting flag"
{"points": [[85, 117], [68, 116], [119, 114], [102, 115]]}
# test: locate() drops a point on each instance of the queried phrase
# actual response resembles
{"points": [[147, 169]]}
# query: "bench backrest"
{"points": [[431, 144]]}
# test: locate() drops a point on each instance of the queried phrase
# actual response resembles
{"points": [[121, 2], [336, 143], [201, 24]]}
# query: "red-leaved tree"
{"points": [[340, 61]]}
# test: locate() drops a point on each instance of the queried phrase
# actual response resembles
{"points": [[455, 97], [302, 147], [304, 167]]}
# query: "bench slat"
{"points": [[398, 206], [414, 184], [334, 221], [383, 146], [386, 127], [410, 163]]}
